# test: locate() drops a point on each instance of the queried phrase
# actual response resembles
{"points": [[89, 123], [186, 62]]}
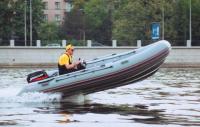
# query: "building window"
{"points": [[68, 7], [45, 17], [58, 18], [57, 5], [45, 5]]}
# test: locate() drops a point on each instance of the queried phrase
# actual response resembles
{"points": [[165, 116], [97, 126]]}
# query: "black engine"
{"points": [[37, 76]]}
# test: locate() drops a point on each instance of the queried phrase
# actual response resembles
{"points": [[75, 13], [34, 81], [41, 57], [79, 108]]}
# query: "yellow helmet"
{"points": [[70, 46]]}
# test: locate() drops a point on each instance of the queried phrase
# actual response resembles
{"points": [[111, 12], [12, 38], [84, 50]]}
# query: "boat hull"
{"points": [[108, 72]]}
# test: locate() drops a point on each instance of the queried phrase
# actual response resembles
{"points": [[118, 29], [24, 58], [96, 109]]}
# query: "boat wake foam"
{"points": [[9, 95]]}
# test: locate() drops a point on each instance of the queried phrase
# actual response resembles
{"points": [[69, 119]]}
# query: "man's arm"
{"points": [[73, 65]]}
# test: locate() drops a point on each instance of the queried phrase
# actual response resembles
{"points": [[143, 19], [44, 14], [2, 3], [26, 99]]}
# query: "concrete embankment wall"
{"points": [[32, 56]]}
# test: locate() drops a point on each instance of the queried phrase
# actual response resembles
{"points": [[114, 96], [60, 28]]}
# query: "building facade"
{"points": [[55, 10]]}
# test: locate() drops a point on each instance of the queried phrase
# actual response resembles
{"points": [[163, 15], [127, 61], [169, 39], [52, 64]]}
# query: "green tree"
{"points": [[73, 26], [99, 20], [89, 18], [37, 17], [78, 4], [129, 22], [195, 22], [49, 32], [11, 13], [181, 21], [132, 21], [12, 19]]}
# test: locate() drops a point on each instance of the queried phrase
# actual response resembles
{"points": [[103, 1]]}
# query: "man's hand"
{"points": [[76, 64]]}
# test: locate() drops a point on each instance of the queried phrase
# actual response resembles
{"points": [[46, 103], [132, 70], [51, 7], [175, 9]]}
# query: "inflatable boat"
{"points": [[104, 73]]}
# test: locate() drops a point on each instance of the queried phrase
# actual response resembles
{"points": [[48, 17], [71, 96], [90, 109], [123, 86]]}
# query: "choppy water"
{"points": [[170, 98]]}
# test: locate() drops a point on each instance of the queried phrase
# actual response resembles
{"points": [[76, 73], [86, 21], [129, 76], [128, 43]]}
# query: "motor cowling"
{"points": [[37, 76]]}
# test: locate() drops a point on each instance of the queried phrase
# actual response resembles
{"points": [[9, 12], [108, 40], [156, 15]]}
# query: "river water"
{"points": [[169, 98]]}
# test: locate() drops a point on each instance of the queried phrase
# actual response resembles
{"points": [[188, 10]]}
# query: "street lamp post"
{"points": [[84, 28], [83, 21], [190, 23], [25, 37], [163, 22], [31, 23]]}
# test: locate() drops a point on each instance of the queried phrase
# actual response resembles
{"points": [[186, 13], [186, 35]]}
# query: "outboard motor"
{"points": [[37, 76]]}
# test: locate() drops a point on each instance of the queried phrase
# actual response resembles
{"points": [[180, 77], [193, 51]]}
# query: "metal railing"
{"points": [[90, 43]]}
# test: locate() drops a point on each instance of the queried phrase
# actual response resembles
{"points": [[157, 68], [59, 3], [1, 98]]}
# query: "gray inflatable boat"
{"points": [[106, 72]]}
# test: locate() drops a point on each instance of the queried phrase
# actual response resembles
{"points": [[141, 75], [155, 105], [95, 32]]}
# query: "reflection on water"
{"points": [[133, 113], [169, 98], [70, 113]]}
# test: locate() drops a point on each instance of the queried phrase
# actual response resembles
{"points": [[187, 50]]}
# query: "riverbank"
{"points": [[180, 57]]}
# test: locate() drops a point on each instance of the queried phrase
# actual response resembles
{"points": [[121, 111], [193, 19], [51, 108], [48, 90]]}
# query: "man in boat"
{"points": [[65, 64]]}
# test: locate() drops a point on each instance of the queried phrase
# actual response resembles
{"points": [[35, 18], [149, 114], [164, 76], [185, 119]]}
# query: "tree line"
{"points": [[104, 20]]}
